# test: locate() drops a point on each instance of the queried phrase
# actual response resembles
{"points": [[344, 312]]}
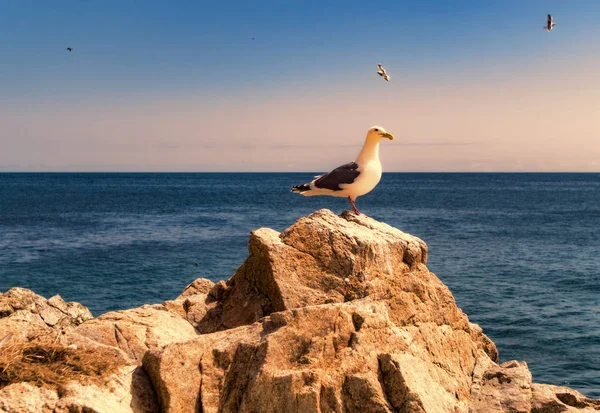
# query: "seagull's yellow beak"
{"points": [[387, 135]]}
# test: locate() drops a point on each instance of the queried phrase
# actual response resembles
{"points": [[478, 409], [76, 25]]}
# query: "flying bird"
{"points": [[383, 73], [353, 179], [549, 24], [70, 49]]}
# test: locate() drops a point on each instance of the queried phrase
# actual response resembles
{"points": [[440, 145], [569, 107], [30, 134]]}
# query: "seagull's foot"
{"points": [[354, 209]]}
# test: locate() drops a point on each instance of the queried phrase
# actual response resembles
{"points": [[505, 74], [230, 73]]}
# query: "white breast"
{"points": [[370, 174]]}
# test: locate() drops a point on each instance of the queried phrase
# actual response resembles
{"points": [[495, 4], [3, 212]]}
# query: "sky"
{"points": [[477, 86]]}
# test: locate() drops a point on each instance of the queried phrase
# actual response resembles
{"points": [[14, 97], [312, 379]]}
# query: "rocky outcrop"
{"points": [[47, 364], [335, 314], [25, 314]]}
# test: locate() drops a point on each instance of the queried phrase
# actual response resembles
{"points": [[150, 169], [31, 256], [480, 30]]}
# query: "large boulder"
{"points": [[325, 259], [334, 357], [340, 314]]}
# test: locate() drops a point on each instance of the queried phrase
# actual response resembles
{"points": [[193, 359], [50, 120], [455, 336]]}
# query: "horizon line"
{"points": [[294, 172]]}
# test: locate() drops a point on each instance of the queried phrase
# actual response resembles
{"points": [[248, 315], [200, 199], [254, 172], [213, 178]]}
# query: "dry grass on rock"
{"points": [[45, 363]]}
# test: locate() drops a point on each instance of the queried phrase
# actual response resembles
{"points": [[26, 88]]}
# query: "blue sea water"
{"points": [[520, 252]]}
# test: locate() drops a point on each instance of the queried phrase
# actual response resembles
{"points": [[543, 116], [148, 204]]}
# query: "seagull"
{"points": [[549, 24], [353, 179], [383, 73], [70, 49]]}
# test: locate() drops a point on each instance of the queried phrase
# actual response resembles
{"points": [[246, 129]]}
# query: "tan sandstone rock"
{"points": [[24, 314], [138, 330], [556, 399], [27, 398], [323, 259], [502, 388], [335, 314]]}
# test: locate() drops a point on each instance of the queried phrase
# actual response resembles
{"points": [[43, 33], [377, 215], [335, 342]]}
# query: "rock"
{"points": [[198, 286], [323, 259], [196, 360], [502, 388], [27, 398], [130, 391], [317, 355], [216, 293], [55, 308], [30, 319], [122, 388], [138, 330], [25, 314], [551, 399], [76, 312], [192, 308], [125, 395], [335, 314], [362, 393], [484, 341]]}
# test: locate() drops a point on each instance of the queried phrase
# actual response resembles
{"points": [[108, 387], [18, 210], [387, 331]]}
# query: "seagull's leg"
{"points": [[352, 204], [354, 209]]}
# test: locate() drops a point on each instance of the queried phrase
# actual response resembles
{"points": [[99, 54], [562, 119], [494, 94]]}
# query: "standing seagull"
{"points": [[383, 73], [549, 24], [70, 49], [353, 179]]}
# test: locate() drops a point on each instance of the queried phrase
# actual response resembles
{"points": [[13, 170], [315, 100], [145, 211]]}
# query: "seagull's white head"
{"points": [[377, 132]]}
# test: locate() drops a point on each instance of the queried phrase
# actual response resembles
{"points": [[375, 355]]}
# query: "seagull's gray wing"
{"points": [[345, 174], [380, 74], [549, 19]]}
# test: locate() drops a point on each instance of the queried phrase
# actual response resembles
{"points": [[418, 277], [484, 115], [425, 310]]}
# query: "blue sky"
{"points": [[184, 60]]}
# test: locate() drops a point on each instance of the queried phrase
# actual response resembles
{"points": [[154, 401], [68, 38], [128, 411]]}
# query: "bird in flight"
{"points": [[353, 179], [549, 24], [383, 73], [70, 49]]}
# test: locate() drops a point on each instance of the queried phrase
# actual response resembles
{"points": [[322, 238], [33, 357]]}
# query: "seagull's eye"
{"points": [[376, 130]]}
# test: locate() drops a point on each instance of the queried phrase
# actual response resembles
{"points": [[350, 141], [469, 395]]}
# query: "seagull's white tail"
{"points": [[301, 188]]}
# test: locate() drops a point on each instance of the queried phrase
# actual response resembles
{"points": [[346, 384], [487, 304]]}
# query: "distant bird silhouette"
{"points": [[383, 73], [70, 49], [549, 24]]}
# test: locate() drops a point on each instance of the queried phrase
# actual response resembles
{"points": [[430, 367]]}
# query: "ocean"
{"points": [[520, 252]]}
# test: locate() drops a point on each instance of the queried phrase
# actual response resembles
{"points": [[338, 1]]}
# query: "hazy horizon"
{"points": [[475, 87]]}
